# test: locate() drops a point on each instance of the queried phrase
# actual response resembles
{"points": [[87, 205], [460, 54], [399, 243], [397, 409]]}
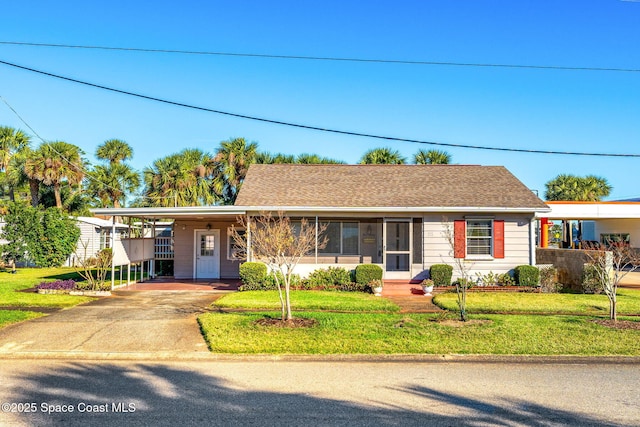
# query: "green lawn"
{"points": [[505, 302], [308, 300], [25, 278], [12, 316], [387, 333], [370, 325]]}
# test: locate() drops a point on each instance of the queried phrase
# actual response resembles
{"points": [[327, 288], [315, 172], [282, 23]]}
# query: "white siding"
{"points": [[517, 245]]}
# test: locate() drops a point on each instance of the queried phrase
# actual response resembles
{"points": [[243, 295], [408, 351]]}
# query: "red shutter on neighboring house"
{"points": [[459, 238], [498, 239]]}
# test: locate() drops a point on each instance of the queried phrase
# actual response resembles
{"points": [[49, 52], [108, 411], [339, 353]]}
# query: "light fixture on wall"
{"points": [[184, 227], [208, 227]]}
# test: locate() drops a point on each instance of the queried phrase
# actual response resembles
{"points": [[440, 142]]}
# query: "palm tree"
{"points": [[115, 151], [110, 183], [55, 163], [12, 142], [230, 165], [179, 179], [575, 188], [314, 159], [431, 157], [16, 176], [382, 156]]}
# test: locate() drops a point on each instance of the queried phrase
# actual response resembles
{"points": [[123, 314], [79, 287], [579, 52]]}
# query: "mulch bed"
{"points": [[296, 322], [620, 324]]}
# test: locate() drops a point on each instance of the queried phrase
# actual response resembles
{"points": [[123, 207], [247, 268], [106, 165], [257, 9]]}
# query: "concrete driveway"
{"points": [[126, 322]]}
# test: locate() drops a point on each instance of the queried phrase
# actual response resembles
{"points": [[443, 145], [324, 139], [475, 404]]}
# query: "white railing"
{"points": [[163, 248]]}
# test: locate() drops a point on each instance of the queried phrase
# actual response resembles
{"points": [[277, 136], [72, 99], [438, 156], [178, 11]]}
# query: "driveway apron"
{"points": [[126, 322]]}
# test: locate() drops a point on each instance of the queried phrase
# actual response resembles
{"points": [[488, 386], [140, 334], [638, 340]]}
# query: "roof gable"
{"points": [[455, 186]]}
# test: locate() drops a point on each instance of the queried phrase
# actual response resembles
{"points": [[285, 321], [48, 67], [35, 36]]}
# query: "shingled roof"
{"points": [[389, 186]]}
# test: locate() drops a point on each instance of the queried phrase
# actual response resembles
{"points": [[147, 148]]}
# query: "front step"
{"points": [[401, 288]]}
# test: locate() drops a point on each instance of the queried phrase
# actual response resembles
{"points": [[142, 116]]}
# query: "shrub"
{"points": [[61, 285], [505, 279], [88, 286], [253, 273], [296, 281], [591, 283], [365, 273], [527, 275], [261, 286], [328, 278], [441, 274], [549, 280], [353, 287]]}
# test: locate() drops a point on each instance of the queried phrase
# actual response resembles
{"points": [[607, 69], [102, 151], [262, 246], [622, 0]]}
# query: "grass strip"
{"points": [[506, 302], [390, 333], [309, 300]]}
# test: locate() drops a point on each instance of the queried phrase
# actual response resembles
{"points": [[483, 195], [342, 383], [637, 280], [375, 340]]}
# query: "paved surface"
{"points": [[318, 394], [150, 321]]}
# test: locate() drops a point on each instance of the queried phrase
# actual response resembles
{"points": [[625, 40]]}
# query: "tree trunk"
{"points": [[286, 293], [12, 194], [613, 309], [56, 192], [34, 190]]}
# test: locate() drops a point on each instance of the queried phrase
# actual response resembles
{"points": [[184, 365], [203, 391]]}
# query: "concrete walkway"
{"points": [[128, 321]]}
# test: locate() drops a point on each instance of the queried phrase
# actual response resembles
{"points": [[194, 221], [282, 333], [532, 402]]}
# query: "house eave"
{"points": [[210, 211]]}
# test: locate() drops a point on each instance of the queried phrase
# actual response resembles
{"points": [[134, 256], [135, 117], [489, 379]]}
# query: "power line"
{"points": [[327, 58], [310, 127]]}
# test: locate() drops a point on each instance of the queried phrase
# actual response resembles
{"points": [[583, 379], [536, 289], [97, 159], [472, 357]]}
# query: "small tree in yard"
{"points": [[461, 268], [94, 269], [280, 244], [611, 266]]}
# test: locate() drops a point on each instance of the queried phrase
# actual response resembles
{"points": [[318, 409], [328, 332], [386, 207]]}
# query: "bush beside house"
{"points": [[441, 274]]}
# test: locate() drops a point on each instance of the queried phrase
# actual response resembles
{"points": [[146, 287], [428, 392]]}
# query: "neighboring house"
{"points": [[395, 216], [595, 222], [95, 235]]}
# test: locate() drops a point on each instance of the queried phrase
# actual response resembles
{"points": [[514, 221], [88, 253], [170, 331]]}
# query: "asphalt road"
{"points": [[336, 393]]}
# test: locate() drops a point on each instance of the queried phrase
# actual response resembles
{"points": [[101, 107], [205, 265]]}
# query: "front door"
{"points": [[397, 249], [207, 265]]}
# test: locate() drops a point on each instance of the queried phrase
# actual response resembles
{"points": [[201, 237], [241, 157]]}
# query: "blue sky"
{"points": [[560, 110]]}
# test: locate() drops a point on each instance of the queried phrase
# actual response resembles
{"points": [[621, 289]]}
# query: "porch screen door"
{"points": [[397, 249], [207, 254]]}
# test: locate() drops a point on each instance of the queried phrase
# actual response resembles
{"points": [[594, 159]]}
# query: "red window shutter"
{"points": [[459, 238], [498, 239]]}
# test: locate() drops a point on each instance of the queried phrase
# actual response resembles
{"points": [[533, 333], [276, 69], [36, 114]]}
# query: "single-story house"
{"points": [[395, 216]]}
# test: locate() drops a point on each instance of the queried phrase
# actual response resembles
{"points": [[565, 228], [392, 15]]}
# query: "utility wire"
{"points": [[315, 128], [328, 58]]}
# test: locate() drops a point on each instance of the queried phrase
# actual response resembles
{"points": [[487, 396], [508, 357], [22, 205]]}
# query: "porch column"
{"points": [[142, 262], [317, 239], [248, 235], [152, 267], [113, 251], [544, 232]]}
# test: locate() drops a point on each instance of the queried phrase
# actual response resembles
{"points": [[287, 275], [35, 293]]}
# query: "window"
{"points": [[207, 245], [234, 250], [479, 237], [105, 239], [342, 238], [609, 238]]}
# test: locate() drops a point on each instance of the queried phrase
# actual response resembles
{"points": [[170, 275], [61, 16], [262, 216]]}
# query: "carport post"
{"points": [[113, 247], [142, 262]]}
